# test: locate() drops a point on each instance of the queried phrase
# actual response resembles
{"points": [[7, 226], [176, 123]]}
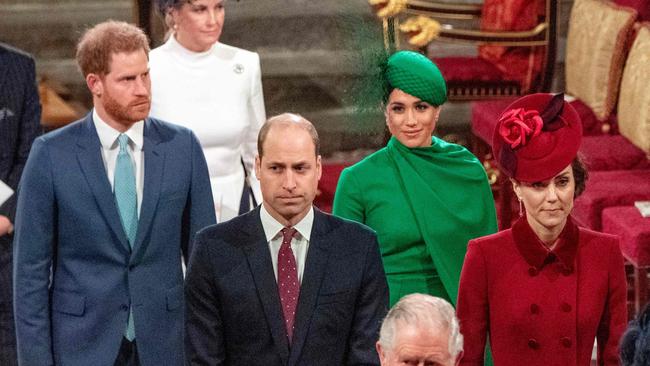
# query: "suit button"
{"points": [[534, 309], [532, 271], [565, 307], [124, 307], [533, 344], [566, 342]]}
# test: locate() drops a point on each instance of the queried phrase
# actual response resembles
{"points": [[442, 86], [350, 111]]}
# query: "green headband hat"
{"points": [[413, 73]]}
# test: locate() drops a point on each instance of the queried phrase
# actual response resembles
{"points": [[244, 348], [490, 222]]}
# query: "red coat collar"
{"points": [[537, 254]]}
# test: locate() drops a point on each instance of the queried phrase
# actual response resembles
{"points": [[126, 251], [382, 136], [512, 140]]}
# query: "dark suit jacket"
{"points": [[20, 118], [67, 218], [233, 309], [20, 115]]}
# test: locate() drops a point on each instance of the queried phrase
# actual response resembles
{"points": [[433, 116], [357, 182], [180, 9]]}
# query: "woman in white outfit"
{"points": [[215, 90]]}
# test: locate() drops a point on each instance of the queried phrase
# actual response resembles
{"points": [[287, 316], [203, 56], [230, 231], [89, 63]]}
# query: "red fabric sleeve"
{"points": [[613, 323], [472, 308]]}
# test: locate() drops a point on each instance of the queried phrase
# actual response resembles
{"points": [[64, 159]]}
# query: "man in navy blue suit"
{"points": [[20, 118], [107, 206], [285, 284]]}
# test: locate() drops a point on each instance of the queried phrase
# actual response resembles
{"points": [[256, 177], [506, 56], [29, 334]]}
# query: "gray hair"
{"points": [[422, 311]]}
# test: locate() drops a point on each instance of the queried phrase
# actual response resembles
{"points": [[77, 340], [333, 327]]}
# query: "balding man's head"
{"points": [[286, 120], [288, 167]]}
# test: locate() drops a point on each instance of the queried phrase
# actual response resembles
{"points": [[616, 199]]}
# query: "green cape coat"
{"points": [[425, 204]]}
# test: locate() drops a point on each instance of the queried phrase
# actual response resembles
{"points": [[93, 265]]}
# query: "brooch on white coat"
{"points": [[238, 69]]}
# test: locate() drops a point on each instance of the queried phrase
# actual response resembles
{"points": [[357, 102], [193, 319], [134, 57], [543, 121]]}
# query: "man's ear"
{"points": [[258, 167], [319, 166], [381, 353], [95, 84]]}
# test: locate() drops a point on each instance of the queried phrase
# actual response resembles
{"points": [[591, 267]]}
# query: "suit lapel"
{"points": [[4, 71], [91, 162], [7, 100], [315, 268], [154, 157], [5, 57], [259, 260]]}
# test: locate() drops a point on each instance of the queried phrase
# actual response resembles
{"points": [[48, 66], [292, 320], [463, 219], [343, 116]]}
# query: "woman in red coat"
{"points": [[545, 289]]}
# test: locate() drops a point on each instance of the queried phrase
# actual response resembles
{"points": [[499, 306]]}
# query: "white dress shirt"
{"points": [[110, 148], [299, 243]]}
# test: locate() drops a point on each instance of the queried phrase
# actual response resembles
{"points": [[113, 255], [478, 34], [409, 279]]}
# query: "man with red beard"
{"points": [[107, 209]]}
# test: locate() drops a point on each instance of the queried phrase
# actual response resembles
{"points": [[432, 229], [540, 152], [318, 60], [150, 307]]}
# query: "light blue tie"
{"points": [[127, 204]]}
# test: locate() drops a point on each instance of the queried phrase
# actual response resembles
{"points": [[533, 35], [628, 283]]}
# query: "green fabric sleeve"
{"points": [[348, 202]]}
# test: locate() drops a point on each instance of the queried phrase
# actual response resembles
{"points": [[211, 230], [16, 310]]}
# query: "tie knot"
{"points": [[123, 141], [288, 233]]}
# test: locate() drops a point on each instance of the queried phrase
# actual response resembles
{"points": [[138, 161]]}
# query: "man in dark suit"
{"points": [[20, 117], [285, 284], [106, 206]]}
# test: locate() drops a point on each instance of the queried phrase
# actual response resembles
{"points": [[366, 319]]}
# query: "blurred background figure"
{"points": [[635, 343], [423, 196], [544, 289], [420, 330], [215, 90], [20, 117]]}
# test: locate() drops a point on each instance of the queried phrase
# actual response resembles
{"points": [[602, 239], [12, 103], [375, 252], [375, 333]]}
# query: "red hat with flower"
{"points": [[537, 136]]}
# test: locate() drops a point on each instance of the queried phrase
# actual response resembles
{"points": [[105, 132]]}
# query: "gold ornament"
{"points": [[388, 8], [421, 30]]}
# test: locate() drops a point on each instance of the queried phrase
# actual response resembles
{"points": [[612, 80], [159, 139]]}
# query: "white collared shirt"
{"points": [[110, 148], [299, 243]]}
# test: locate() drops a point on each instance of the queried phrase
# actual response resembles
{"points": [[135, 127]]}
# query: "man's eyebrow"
{"points": [[272, 162]]}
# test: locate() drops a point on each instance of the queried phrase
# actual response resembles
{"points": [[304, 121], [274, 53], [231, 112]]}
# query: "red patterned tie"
{"points": [[288, 285]]}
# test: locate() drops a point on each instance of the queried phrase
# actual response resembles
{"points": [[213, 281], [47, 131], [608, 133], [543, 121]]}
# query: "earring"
{"points": [[521, 208]]}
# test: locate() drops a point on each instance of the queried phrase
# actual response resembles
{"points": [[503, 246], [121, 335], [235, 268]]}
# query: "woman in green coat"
{"points": [[425, 198]]}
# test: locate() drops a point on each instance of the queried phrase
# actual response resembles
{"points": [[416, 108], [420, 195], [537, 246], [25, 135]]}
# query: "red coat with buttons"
{"points": [[542, 307]]}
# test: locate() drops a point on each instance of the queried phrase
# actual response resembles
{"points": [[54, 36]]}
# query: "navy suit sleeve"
{"points": [[199, 210], [28, 129], [204, 340], [34, 243], [371, 307]]}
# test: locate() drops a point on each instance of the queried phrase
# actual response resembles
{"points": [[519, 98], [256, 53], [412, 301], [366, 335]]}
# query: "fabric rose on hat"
{"points": [[518, 126]]}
